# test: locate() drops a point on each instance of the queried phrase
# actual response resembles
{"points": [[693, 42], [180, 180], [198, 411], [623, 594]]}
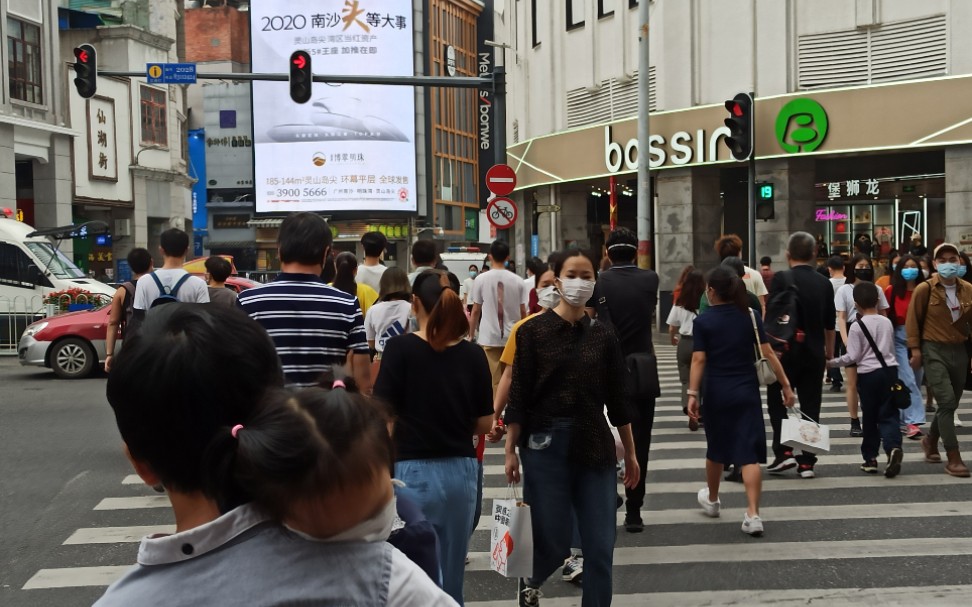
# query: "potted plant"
{"points": [[70, 300]]}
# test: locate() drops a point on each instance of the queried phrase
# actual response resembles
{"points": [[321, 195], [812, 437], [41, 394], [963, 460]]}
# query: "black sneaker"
{"points": [[735, 475], [782, 463], [633, 523], [836, 387], [856, 431], [573, 569], [894, 463], [527, 596], [806, 471], [870, 466]]}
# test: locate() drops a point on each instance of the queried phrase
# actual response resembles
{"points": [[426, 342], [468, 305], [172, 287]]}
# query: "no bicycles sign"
{"points": [[501, 212]]}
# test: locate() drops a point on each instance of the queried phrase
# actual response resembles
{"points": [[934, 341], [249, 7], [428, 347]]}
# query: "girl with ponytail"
{"points": [[439, 388]]}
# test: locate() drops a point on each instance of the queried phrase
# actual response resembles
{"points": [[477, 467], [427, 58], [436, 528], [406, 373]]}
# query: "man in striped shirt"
{"points": [[313, 325]]}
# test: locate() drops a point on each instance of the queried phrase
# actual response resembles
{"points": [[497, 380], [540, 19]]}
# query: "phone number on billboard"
{"points": [[300, 192]]}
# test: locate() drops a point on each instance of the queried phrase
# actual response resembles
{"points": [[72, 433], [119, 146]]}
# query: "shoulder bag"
{"points": [[764, 370], [642, 367], [900, 394]]}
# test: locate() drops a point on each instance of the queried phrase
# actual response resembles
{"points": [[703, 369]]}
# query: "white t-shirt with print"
{"points": [[844, 301], [754, 282], [487, 291], [386, 319], [194, 290]]}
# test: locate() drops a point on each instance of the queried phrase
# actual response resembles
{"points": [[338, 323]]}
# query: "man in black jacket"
{"points": [[805, 367], [625, 297]]}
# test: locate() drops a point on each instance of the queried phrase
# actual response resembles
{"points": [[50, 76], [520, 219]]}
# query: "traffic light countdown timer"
{"points": [[86, 70], [765, 201], [301, 76]]}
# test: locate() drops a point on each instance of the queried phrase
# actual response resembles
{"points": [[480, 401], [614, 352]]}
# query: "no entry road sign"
{"points": [[501, 179]]}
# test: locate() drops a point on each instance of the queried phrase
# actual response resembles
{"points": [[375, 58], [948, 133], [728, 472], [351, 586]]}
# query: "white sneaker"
{"points": [[958, 422], [752, 525], [711, 509]]}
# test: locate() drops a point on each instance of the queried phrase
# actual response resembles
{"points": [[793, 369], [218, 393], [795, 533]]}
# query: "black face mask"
{"points": [[864, 274]]}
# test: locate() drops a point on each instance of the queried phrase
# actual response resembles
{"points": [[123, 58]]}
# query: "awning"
{"points": [[82, 230], [273, 222]]}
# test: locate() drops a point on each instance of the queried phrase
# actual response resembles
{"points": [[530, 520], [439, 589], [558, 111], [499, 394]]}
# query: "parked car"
{"points": [[73, 344]]}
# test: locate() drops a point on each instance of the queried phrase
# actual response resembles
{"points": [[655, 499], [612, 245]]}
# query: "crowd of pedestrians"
{"points": [[352, 439]]}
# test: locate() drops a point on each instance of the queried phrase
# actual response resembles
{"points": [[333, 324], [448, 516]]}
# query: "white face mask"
{"points": [[576, 291], [376, 529], [925, 272], [548, 297]]}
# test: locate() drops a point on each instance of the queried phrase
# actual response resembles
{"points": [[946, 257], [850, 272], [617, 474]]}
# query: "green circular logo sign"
{"points": [[801, 126]]}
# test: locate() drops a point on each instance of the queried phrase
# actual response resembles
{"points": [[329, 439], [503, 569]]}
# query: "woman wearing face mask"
{"points": [[861, 270], [885, 281], [567, 367], [440, 389], [907, 276], [467, 286]]}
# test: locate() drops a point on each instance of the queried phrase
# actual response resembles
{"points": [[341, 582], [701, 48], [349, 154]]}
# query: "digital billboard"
{"points": [[350, 147]]}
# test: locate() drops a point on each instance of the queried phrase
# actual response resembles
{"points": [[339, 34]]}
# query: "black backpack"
{"points": [[167, 295], [783, 319]]}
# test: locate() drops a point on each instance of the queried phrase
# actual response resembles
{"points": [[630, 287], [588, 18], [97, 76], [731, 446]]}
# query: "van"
{"points": [[31, 267]]}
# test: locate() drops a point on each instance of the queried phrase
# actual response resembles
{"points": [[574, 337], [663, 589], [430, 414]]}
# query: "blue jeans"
{"points": [[880, 423], [445, 489], [915, 414], [556, 489]]}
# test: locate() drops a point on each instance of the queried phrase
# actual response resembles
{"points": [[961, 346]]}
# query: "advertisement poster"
{"points": [[351, 147]]}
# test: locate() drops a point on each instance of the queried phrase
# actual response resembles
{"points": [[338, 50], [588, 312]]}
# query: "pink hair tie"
{"points": [[236, 430], [338, 384]]}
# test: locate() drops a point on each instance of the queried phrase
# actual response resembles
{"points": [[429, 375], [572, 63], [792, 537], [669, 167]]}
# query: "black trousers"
{"points": [[805, 378], [641, 431]]}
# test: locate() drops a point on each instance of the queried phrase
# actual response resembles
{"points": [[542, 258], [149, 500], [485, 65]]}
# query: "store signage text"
{"points": [[830, 215], [677, 151], [852, 187]]}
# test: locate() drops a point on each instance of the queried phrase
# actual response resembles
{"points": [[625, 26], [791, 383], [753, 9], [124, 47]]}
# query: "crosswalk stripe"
{"points": [[74, 577], [762, 550], [832, 597], [116, 535], [770, 514], [133, 503], [790, 482]]}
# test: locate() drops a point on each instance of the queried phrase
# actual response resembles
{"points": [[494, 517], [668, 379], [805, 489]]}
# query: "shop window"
{"points": [[13, 266], [575, 8], [602, 12], [153, 112], [24, 61]]}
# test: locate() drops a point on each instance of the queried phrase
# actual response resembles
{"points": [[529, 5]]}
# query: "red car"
{"points": [[73, 344]]}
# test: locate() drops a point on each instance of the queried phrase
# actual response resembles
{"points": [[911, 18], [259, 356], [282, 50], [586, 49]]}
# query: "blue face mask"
{"points": [[962, 270], [473, 273], [948, 270], [909, 273]]}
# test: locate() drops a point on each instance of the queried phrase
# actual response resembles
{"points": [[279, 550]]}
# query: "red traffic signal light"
{"points": [[301, 76], [86, 70], [740, 123]]}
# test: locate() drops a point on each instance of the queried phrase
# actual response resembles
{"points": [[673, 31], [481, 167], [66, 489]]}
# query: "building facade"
{"points": [[860, 127]]}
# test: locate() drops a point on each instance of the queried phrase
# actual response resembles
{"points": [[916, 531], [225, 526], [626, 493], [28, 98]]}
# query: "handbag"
{"points": [[900, 394], [642, 367], [511, 544], [799, 431], [764, 370]]}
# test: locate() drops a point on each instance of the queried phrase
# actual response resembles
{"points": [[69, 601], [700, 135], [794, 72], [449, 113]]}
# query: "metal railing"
{"points": [[15, 314]]}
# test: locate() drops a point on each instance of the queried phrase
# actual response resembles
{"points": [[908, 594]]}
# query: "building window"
{"points": [[24, 61], [574, 10], [534, 35], [153, 116], [601, 12], [632, 3]]}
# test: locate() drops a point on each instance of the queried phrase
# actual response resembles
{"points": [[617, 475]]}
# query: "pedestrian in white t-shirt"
{"points": [[730, 245], [369, 272], [497, 298], [173, 243]]}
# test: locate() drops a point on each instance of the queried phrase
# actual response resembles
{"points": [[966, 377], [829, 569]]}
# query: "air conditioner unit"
{"points": [[123, 227]]}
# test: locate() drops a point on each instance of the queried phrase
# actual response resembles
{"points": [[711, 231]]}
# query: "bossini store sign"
{"points": [[836, 121]]}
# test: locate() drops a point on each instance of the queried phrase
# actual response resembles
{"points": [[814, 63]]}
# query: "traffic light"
{"points": [[86, 69], [301, 76], [740, 123], [765, 202]]}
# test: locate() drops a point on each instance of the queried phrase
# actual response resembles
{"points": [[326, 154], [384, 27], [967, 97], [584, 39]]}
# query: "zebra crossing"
{"points": [[844, 538]]}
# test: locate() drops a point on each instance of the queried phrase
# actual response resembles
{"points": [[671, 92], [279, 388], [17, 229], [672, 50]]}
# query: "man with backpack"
{"points": [[800, 321], [122, 304], [171, 283]]}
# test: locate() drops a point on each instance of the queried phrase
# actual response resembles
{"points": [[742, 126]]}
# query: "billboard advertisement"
{"points": [[351, 147]]}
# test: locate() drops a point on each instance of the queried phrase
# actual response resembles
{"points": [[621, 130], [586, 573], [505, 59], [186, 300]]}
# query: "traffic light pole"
{"points": [[752, 189], [645, 200]]}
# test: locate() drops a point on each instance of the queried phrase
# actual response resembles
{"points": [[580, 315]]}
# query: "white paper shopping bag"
{"points": [[802, 433], [511, 546]]}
